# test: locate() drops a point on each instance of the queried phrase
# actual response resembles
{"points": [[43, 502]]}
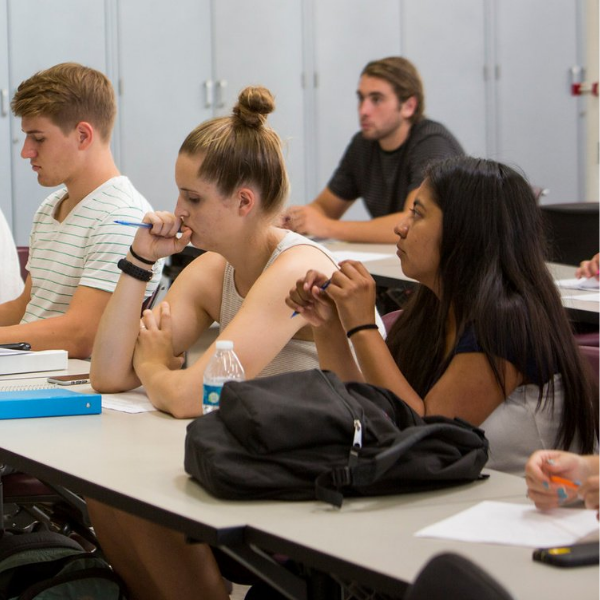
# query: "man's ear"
{"points": [[408, 107], [247, 199], [85, 134]]}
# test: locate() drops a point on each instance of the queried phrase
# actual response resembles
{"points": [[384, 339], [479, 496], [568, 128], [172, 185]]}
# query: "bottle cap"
{"points": [[224, 345]]}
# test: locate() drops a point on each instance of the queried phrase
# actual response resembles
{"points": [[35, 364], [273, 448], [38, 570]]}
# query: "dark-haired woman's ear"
{"points": [[247, 200]]}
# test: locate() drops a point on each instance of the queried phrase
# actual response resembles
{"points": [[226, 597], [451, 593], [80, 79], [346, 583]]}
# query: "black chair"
{"points": [[452, 577], [26, 504], [572, 230], [23, 253]]}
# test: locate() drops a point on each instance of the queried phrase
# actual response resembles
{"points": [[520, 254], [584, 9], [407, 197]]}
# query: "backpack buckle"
{"points": [[340, 476]]}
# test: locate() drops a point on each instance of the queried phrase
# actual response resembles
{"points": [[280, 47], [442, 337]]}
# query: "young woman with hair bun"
{"points": [[232, 184]]}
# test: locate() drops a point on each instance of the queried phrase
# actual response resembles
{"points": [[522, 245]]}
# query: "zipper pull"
{"points": [[357, 441]]}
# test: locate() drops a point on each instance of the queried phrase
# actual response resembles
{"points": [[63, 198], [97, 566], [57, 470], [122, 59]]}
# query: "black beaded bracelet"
{"points": [[354, 330], [134, 271], [138, 257]]}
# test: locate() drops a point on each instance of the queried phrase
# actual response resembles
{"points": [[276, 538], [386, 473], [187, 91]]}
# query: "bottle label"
{"points": [[211, 396]]}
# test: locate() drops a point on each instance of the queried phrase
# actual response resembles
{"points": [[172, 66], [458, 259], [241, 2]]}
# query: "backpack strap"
{"points": [[11, 544], [329, 483]]}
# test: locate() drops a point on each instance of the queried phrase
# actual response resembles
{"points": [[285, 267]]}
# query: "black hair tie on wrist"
{"points": [[354, 330], [138, 257]]}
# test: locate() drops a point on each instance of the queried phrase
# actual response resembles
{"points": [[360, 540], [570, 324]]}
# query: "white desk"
{"points": [[388, 272], [135, 462], [74, 367]]}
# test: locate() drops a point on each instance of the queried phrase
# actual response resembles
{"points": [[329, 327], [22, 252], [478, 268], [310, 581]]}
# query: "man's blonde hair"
{"points": [[67, 94]]}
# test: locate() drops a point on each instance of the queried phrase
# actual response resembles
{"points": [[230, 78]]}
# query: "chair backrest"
{"points": [[390, 318], [449, 576], [572, 231], [23, 252], [590, 338]]}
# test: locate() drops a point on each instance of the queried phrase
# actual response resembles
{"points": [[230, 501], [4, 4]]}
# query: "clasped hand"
{"points": [[547, 493], [306, 220], [154, 345], [349, 297]]}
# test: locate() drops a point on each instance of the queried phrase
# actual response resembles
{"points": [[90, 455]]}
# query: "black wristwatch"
{"points": [[134, 271]]}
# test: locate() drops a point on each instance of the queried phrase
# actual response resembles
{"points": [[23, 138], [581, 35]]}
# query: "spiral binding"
{"points": [[13, 387]]}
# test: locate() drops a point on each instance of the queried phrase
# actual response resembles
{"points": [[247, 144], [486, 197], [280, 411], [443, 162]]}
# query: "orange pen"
{"points": [[566, 482]]}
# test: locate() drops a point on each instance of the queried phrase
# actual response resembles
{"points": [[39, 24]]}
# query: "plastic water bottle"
{"points": [[223, 366]]}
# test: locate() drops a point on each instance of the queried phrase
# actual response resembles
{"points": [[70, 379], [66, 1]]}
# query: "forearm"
{"points": [[177, 392], [379, 368], [62, 333], [377, 231], [335, 353], [112, 357], [11, 313]]}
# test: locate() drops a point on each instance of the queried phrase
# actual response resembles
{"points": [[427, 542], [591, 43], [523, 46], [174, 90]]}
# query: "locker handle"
{"points": [[221, 87], [4, 102], [208, 93]]}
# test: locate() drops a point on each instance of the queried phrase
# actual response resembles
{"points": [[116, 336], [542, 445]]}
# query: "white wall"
{"points": [[592, 154]]}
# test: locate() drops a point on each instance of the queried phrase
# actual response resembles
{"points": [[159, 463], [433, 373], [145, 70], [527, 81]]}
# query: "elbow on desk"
{"points": [[107, 383], [183, 412], [176, 406]]}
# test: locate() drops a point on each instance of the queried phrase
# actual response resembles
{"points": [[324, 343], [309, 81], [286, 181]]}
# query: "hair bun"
{"points": [[254, 103]]}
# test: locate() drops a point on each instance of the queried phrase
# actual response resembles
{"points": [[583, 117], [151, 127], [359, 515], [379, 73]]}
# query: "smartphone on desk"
{"points": [[576, 555], [70, 379], [16, 346]]}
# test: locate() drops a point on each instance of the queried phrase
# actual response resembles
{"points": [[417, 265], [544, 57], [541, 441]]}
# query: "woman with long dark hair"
{"points": [[485, 337]]}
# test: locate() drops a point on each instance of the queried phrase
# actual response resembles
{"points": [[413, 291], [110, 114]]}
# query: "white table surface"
{"points": [[136, 462]]}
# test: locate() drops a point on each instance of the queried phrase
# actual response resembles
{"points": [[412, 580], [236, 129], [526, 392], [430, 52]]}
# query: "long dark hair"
{"points": [[493, 275]]}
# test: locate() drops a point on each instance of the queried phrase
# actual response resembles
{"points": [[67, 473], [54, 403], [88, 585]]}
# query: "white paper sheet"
{"points": [[132, 402], [593, 298], [579, 284], [341, 255], [515, 525]]}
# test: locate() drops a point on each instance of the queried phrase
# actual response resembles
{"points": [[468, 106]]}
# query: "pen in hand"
{"points": [[323, 287], [134, 224], [566, 482]]}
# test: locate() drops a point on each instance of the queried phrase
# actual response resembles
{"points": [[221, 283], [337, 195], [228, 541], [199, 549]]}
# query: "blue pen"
{"points": [[134, 224], [323, 287]]}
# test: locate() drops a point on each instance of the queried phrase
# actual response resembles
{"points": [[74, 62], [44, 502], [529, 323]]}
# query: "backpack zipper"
{"points": [[358, 427]]}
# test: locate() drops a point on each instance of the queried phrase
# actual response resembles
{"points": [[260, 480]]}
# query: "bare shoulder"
{"points": [[207, 266], [199, 283], [303, 257]]}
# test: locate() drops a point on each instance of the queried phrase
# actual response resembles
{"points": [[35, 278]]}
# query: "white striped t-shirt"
{"points": [[84, 249]]}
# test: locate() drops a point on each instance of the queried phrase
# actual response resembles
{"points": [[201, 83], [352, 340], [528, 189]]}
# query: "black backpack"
{"points": [[306, 435], [47, 565]]}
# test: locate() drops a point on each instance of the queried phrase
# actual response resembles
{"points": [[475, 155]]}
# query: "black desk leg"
{"points": [[309, 584]]}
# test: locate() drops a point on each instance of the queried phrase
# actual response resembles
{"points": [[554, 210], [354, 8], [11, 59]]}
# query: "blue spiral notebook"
{"points": [[51, 402]]}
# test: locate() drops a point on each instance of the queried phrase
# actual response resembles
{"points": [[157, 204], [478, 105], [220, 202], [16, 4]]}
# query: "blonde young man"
{"points": [[384, 162], [67, 114]]}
